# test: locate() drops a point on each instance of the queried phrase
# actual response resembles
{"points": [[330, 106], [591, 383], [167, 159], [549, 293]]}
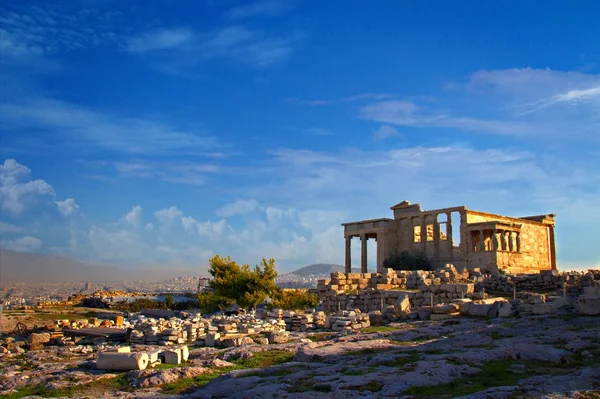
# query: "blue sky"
{"points": [[163, 133]]}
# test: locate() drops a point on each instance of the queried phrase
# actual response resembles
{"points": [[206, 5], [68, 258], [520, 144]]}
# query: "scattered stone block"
{"points": [[122, 361], [212, 339], [172, 356]]}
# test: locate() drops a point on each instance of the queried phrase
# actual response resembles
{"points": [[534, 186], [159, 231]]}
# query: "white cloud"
{"points": [[67, 207], [385, 132], [22, 244], [149, 226], [168, 216], [189, 224], [238, 207], [10, 228], [104, 245], [16, 191], [214, 228], [133, 217]]}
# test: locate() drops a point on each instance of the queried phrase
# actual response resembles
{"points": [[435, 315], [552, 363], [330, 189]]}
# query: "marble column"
{"points": [[348, 255], [449, 235], [511, 241], [436, 237], [518, 240], [423, 233], [363, 253], [552, 247]]}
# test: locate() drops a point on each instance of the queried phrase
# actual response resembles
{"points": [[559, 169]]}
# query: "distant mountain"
{"points": [[319, 269], [28, 268]]}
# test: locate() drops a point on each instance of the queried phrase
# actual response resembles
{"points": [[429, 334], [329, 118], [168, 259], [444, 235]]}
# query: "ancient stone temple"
{"points": [[459, 236]]}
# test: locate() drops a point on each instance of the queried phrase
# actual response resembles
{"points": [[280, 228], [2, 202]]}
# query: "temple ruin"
{"points": [[460, 236]]}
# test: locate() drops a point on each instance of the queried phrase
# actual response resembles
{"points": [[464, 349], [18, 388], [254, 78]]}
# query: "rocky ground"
{"points": [[548, 356]]}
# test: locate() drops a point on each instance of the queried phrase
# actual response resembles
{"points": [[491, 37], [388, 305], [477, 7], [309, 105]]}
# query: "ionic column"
{"points": [[449, 234], [348, 255], [382, 239], [552, 248], [423, 233], [436, 236], [363, 253]]}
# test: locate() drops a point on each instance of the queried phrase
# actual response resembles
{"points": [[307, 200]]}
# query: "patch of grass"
{"points": [[373, 386], [481, 346], [59, 316], [582, 327], [379, 329], [110, 384], [450, 323], [354, 371], [495, 335], [362, 352], [265, 359], [494, 373], [186, 384], [27, 365], [402, 361], [567, 316], [318, 337], [350, 371], [322, 388], [164, 366], [258, 360]]}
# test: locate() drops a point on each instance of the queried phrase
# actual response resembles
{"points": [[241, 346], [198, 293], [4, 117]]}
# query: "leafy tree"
{"points": [[407, 260], [295, 299], [235, 284], [169, 301]]}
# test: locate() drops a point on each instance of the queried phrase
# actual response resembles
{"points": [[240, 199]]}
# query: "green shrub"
{"points": [[292, 299], [407, 260]]}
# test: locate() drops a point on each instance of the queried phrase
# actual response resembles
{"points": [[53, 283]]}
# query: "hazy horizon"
{"points": [[52, 268]]}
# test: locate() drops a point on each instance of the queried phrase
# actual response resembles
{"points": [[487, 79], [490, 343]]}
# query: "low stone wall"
{"points": [[549, 280], [373, 291]]}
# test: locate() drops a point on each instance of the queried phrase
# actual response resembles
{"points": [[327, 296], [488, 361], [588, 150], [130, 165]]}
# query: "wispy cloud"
{"points": [[32, 32], [480, 178], [262, 8], [90, 129], [531, 90], [22, 244], [353, 98], [166, 39], [407, 113], [178, 172], [315, 131], [385, 132], [179, 49]]}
